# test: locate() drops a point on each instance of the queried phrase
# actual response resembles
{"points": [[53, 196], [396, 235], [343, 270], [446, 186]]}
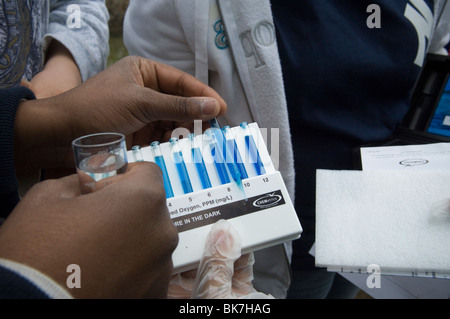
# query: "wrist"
{"points": [[41, 138]]}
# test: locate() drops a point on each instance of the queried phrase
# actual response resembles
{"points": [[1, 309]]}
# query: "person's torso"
{"points": [[22, 27], [349, 67]]}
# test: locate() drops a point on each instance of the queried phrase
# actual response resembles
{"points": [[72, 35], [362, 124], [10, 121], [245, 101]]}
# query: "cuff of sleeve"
{"points": [[9, 101], [41, 281]]}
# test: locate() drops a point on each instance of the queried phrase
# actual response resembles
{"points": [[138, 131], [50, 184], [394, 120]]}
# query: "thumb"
{"points": [[215, 272], [160, 106]]}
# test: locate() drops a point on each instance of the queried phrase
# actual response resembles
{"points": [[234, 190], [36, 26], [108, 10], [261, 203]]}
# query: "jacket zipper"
{"points": [[225, 29]]}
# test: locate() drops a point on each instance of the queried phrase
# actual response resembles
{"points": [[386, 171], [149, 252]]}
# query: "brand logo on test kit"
{"points": [[268, 200]]}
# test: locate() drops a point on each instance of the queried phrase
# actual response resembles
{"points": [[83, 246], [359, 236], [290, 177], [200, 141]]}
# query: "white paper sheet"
{"points": [[427, 156]]}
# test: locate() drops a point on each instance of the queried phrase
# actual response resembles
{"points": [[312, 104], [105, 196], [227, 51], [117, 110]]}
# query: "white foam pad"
{"points": [[384, 217]]}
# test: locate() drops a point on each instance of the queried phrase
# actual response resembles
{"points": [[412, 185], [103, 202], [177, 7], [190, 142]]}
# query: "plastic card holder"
{"points": [[262, 213]]}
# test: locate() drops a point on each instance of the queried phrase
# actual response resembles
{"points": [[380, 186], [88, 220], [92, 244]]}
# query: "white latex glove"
{"points": [[440, 211], [181, 285], [223, 272]]}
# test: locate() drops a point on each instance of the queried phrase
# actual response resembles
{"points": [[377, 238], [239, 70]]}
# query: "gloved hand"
{"points": [[222, 273], [440, 211]]}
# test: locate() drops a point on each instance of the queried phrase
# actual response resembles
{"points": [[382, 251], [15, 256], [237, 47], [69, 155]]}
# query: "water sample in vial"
{"points": [[233, 152], [180, 165], [199, 162], [103, 165], [252, 150], [159, 160], [217, 156]]}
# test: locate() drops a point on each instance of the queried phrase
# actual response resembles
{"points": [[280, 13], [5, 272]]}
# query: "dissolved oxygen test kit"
{"points": [[224, 173]]}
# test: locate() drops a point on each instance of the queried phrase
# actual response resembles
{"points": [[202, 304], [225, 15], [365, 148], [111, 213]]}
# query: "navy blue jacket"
{"points": [[12, 285], [9, 100]]}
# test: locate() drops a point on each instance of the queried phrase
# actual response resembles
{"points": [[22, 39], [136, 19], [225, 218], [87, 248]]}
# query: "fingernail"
{"points": [[209, 106]]}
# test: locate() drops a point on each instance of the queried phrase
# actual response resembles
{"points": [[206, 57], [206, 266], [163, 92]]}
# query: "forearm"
{"points": [[60, 73], [62, 64]]}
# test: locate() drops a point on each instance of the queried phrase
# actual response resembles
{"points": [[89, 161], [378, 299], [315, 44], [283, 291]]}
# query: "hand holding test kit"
{"points": [[222, 174]]}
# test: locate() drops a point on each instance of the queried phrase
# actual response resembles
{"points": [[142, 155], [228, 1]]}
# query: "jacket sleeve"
{"points": [[441, 35], [156, 29], [19, 281], [14, 286], [9, 101], [82, 27]]}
